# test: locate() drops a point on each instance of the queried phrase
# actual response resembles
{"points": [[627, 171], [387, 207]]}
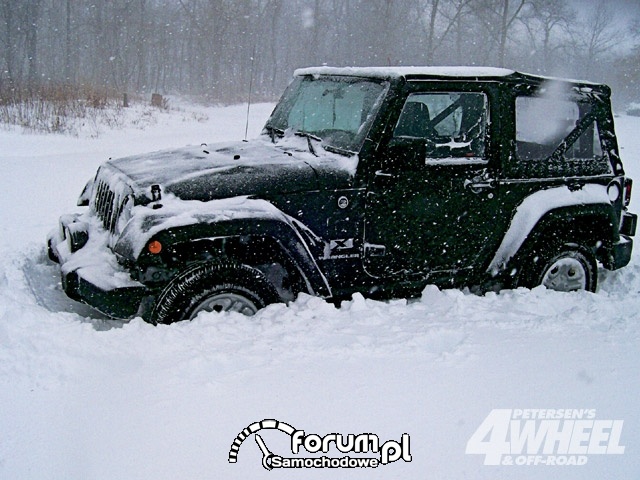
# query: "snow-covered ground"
{"points": [[83, 397]]}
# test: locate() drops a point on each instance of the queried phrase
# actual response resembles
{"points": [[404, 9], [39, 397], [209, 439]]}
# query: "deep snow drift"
{"points": [[85, 397]]}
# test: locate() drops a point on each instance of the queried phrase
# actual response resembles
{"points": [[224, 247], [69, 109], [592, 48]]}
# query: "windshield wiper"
{"points": [[338, 150], [309, 137], [273, 132]]}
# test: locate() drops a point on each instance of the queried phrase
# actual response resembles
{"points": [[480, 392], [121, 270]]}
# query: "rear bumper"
{"points": [[629, 223], [621, 253], [621, 250], [90, 272]]}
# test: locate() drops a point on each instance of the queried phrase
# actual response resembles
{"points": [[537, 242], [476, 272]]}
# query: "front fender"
{"points": [[179, 222]]}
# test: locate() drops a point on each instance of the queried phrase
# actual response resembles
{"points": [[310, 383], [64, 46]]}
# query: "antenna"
{"points": [[253, 58]]}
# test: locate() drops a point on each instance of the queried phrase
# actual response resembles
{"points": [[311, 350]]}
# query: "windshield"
{"points": [[337, 110]]}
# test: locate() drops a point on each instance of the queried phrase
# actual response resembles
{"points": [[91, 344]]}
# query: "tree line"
{"points": [[218, 49]]}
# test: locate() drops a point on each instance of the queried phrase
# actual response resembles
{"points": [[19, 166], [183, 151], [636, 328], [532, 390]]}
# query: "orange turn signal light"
{"points": [[154, 247]]}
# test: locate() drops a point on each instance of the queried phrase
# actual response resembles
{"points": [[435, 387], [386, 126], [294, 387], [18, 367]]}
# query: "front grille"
{"points": [[111, 200]]}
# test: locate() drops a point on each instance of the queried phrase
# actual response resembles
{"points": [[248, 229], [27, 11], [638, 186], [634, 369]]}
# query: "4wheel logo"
{"points": [[390, 451], [545, 437]]}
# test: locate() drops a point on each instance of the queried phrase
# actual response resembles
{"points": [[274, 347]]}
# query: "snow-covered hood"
{"points": [[258, 168]]}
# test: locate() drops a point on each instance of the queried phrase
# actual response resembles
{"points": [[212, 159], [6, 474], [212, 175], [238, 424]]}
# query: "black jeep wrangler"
{"points": [[372, 180]]}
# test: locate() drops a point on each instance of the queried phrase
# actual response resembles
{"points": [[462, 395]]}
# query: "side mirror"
{"points": [[406, 153]]}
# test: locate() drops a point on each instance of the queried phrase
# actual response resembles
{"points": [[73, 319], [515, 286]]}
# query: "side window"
{"points": [[546, 125], [453, 124]]}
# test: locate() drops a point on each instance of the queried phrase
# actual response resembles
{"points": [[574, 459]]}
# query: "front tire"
{"points": [[213, 287]]}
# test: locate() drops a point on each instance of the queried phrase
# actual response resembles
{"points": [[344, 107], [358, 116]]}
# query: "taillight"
{"points": [[628, 183]]}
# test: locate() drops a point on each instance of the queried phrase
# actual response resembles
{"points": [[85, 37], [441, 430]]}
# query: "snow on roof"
{"points": [[441, 71], [394, 72]]}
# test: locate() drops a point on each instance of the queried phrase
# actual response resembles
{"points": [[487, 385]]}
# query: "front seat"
{"points": [[414, 121]]}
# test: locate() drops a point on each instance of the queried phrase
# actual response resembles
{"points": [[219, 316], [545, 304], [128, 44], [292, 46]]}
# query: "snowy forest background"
{"points": [[215, 48]]}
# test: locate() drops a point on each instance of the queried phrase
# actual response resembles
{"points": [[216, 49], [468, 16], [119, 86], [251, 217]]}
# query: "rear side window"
{"points": [[557, 128]]}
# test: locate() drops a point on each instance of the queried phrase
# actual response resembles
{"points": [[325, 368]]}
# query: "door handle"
{"points": [[479, 184]]}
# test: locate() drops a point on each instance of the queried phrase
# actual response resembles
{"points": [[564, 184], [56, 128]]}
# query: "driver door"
{"points": [[431, 206]]}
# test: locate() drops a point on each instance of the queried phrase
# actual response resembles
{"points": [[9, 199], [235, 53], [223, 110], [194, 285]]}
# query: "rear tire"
{"points": [[567, 268], [213, 287]]}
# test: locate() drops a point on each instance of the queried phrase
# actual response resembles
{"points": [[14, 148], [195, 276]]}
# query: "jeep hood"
{"points": [[257, 168]]}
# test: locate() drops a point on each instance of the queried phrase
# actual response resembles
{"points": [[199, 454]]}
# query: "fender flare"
{"points": [[538, 208], [180, 221]]}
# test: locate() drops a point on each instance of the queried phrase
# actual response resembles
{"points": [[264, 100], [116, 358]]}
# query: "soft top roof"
{"points": [[397, 72], [426, 73]]}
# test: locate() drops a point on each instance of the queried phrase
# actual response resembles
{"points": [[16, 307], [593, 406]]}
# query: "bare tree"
{"points": [[9, 40], [548, 27], [507, 18], [440, 19], [595, 37]]}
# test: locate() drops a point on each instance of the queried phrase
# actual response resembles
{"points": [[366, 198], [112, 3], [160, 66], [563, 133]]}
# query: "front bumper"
{"points": [[89, 270]]}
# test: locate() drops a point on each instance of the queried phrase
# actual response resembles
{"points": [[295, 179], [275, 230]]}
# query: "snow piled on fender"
{"points": [[533, 208]]}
